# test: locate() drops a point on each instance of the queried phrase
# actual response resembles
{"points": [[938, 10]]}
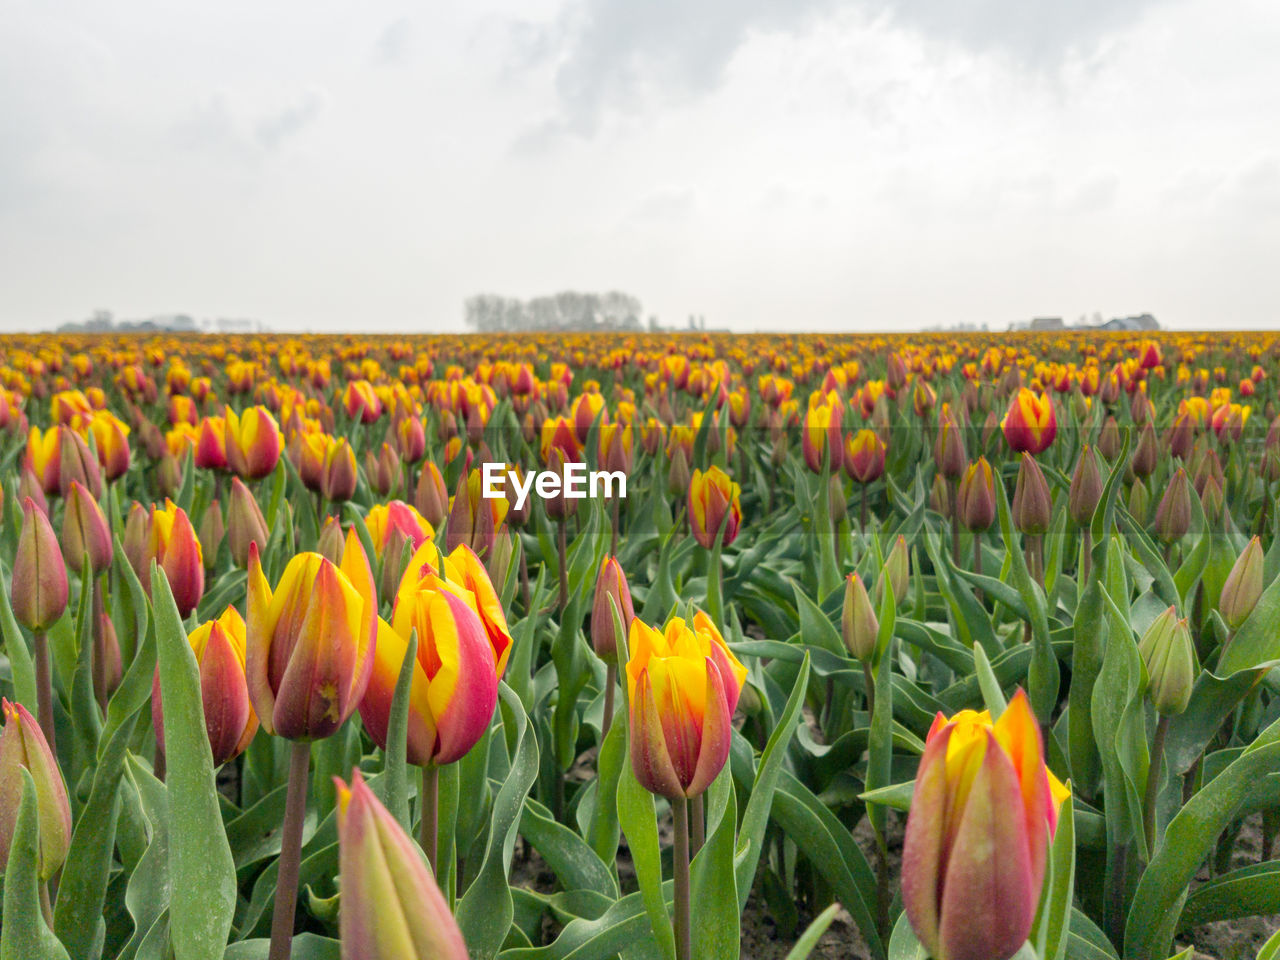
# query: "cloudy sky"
{"points": [[866, 164]]}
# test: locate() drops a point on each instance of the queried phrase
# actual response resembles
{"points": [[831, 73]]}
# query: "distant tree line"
{"points": [[568, 310]]}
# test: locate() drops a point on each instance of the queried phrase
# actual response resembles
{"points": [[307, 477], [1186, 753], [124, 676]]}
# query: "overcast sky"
{"points": [[770, 164]]}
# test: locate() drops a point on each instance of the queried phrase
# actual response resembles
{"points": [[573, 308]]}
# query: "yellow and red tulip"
{"points": [[23, 747], [712, 495], [982, 814], [44, 457], [172, 543], [39, 581], [1030, 424], [684, 685], [391, 907], [864, 454], [310, 642], [219, 648], [252, 442]]}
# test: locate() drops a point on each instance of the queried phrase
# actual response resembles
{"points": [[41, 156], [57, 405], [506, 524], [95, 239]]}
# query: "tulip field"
{"points": [[650, 647]]}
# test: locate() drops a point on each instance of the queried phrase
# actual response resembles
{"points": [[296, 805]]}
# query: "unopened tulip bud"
{"points": [[173, 545], [431, 496], [1086, 488], [212, 530], [391, 907], [84, 529], [1139, 501], [29, 489], [23, 747], [383, 470], [1145, 455], [859, 626], [948, 449], [169, 476], [394, 560], [105, 682], [838, 506], [896, 572], [518, 517], [78, 464], [976, 496], [135, 539], [1171, 663], [459, 528], [1109, 439], [611, 582], [332, 540], [338, 476], [245, 523], [1243, 586], [497, 560], [39, 586], [1032, 503], [940, 496], [1211, 500], [1173, 513], [678, 475]]}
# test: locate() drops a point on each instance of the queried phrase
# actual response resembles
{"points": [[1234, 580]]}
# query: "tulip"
{"points": [[39, 583], [1086, 488], [310, 642], [84, 529], [23, 747], [391, 906], [1243, 586], [339, 471], [78, 465], [586, 408], [684, 685], [1030, 424], [411, 439], [1166, 651], [212, 531], [616, 448], [331, 541], [1145, 454], [383, 471], [245, 523], [896, 572], [211, 444], [1032, 504], [361, 402], [859, 626], [611, 583], [940, 496], [975, 497], [385, 518], [982, 813], [864, 454], [29, 489], [253, 442], [173, 545], [111, 437], [678, 473], [948, 450], [1173, 513], [431, 496], [219, 648], [821, 435], [712, 497], [1139, 501], [44, 458]]}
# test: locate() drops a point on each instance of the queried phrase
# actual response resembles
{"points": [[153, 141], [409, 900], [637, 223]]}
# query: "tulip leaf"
{"points": [[639, 823], [306, 946], [620, 929], [24, 934], [903, 944], [716, 920], [1188, 839], [147, 894], [395, 783], [755, 817], [85, 716], [1248, 891], [1213, 700], [574, 863], [20, 662], [1271, 949], [82, 889], [1087, 651], [485, 910], [992, 695], [1052, 924], [813, 933], [603, 832], [200, 862]]}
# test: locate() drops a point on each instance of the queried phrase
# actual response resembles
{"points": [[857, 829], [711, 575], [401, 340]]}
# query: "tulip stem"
{"points": [[99, 647], [680, 816], [698, 827], [610, 681], [955, 520], [869, 680], [44, 690], [46, 907], [563, 550], [613, 544], [1153, 782], [429, 829], [290, 852]]}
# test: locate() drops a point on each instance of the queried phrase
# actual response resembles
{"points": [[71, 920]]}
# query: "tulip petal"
{"points": [[988, 891], [375, 706], [464, 687], [923, 849], [227, 711], [715, 733], [650, 761], [1018, 733]]}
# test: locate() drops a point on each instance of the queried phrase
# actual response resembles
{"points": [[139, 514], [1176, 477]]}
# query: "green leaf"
{"points": [[1053, 918], [573, 862], [25, 935], [1271, 949], [485, 911], [15, 648], [755, 818], [813, 933], [1188, 839], [1249, 891], [147, 894], [306, 946], [603, 832], [992, 695], [395, 784], [204, 878], [639, 823], [716, 922], [903, 944]]}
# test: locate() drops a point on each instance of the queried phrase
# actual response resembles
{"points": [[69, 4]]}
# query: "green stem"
{"points": [[429, 828], [44, 690], [610, 681], [870, 681], [1153, 783], [563, 550], [698, 828], [290, 852], [684, 934], [99, 648], [714, 587]]}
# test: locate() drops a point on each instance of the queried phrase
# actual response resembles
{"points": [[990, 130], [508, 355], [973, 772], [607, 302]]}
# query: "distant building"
{"points": [[1047, 323], [1143, 321]]}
